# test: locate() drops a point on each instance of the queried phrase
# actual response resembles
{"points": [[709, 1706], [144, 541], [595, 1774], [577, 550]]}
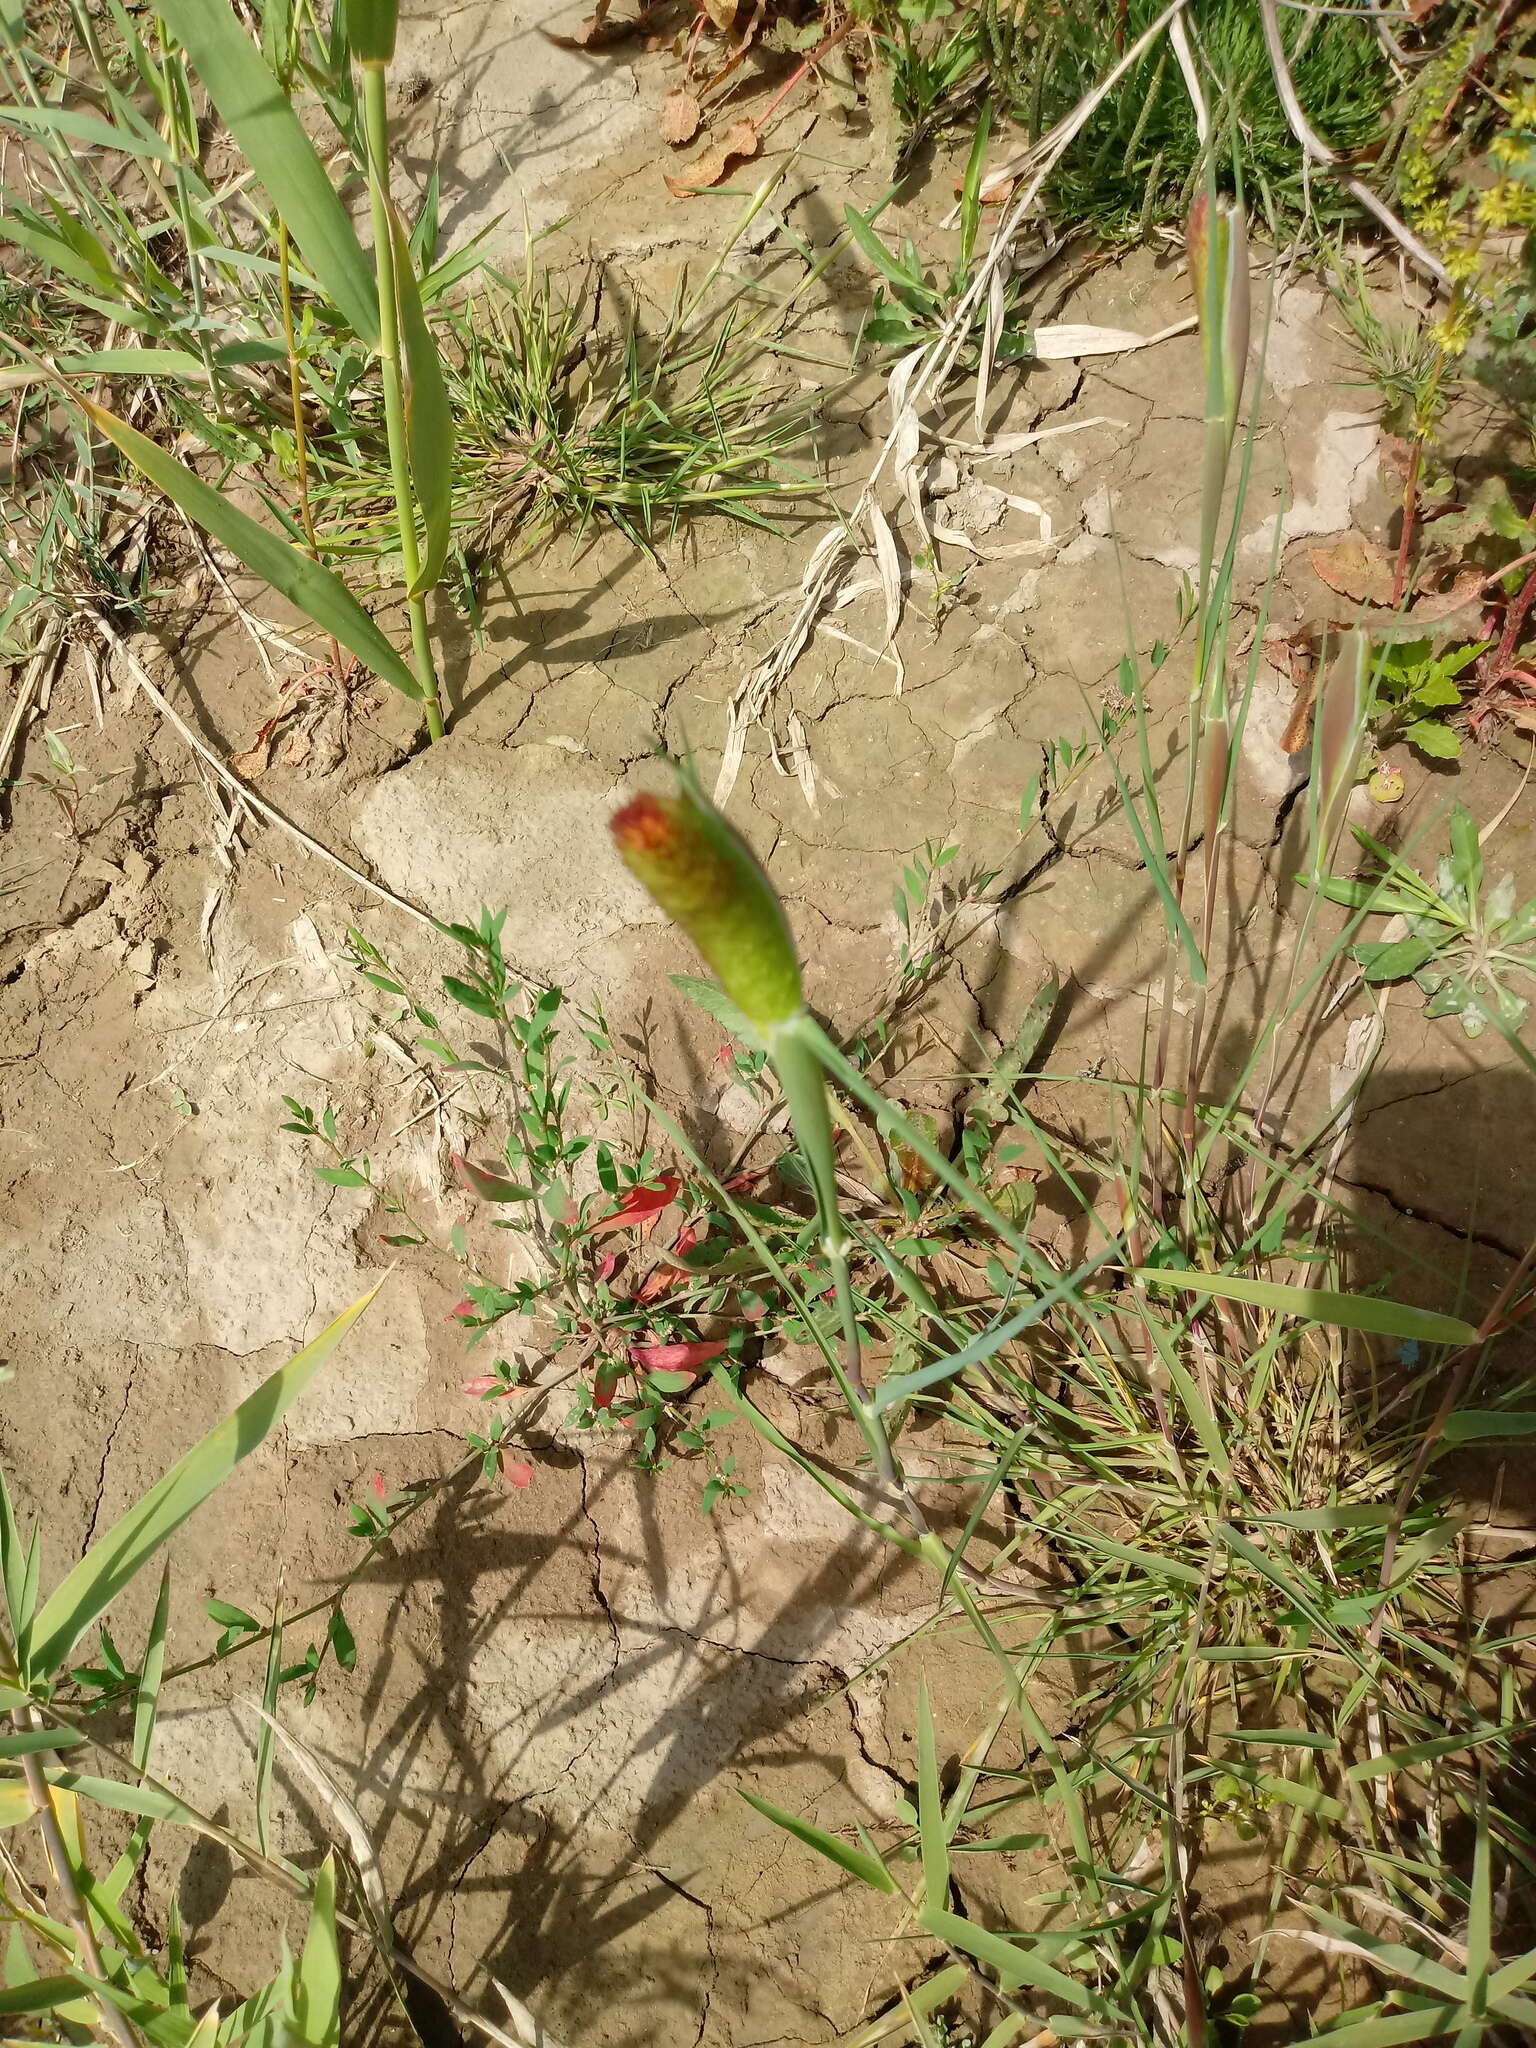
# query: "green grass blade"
{"points": [[146, 1701], [902, 1386], [260, 117], [930, 1808], [112, 1562], [428, 417], [36, 1739], [1144, 1560], [58, 254], [133, 362], [1512, 1976], [43, 1994], [867, 1869], [1319, 1305], [153, 1802], [265, 1740], [1014, 1965], [317, 1975], [317, 591], [14, 1554], [87, 130], [146, 1698], [1395, 1760], [1395, 2028], [1481, 1425]]}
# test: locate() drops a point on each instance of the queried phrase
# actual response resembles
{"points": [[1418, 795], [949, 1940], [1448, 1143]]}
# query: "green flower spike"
{"points": [[707, 879]]}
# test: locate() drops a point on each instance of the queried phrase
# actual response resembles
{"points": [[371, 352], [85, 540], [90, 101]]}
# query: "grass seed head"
{"points": [[705, 877]]}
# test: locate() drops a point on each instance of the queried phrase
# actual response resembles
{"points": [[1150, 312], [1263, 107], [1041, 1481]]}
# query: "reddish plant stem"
{"points": [[807, 63], [1514, 618], [1410, 514]]}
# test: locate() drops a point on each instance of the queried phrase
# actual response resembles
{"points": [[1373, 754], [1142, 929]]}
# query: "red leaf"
{"points": [[640, 1204], [380, 1491], [516, 1473], [673, 1357], [605, 1269], [487, 1182], [461, 1312], [604, 1387], [486, 1383]]}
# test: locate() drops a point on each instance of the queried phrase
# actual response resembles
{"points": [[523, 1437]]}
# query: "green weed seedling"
{"points": [[1415, 693], [1470, 948]]}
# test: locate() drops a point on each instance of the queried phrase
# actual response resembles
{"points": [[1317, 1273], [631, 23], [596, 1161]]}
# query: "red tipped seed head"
{"points": [[705, 877]]}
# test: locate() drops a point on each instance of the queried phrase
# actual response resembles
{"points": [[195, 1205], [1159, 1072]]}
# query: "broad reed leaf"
{"points": [[317, 591], [930, 1809], [428, 416], [261, 118], [1013, 1963], [867, 1869], [1320, 1305], [317, 1975]]}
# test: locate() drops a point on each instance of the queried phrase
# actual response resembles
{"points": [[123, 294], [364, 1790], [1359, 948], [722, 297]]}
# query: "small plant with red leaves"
{"points": [[621, 1279]]}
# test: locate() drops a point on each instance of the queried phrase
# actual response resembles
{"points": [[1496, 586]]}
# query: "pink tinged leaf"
{"points": [[605, 1269], [487, 1183], [461, 1312], [516, 1473], [487, 1383], [688, 1239], [673, 1357], [640, 1205], [380, 1491]]}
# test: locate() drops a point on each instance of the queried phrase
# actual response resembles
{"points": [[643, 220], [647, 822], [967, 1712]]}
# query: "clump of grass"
{"points": [[1185, 1466], [1139, 161], [559, 424], [242, 322]]}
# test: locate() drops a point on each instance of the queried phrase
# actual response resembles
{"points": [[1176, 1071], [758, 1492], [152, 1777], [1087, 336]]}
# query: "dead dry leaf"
{"points": [[990, 195], [1356, 568], [1063, 340], [738, 143], [680, 117], [597, 32], [1439, 604], [888, 568]]}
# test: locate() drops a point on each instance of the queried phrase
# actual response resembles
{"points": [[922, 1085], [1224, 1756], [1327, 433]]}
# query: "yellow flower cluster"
{"points": [[1455, 221]]}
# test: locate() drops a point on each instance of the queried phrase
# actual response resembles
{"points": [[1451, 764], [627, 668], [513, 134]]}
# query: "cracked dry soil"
{"points": [[559, 1691]]}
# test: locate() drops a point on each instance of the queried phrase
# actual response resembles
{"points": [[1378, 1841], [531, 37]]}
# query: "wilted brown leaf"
{"points": [[1356, 568], [1439, 604], [1298, 729], [991, 195], [739, 142], [721, 12], [679, 117], [597, 32]]}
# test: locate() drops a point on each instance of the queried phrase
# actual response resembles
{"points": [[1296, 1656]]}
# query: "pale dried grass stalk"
{"points": [[914, 382]]}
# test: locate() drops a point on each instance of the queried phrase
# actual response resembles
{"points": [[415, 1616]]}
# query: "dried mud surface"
{"points": [[561, 1690]]}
